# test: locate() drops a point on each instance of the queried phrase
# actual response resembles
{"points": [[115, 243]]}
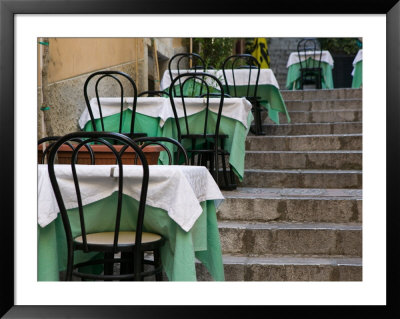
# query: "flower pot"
{"points": [[104, 156]]}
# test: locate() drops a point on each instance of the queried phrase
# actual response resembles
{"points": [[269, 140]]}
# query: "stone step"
{"points": [[252, 239], [347, 160], [302, 178], [292, 205], [287, 268], [313, 94], [305, 142], [313, 128], [321, 116], [323, 105]]}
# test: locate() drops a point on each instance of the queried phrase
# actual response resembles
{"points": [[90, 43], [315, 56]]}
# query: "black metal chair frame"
{"points": [[112, 75], [309, 73], [234, 62], [53, 139], [146, 141], [180, 57], [210, 152], [130, 268]]}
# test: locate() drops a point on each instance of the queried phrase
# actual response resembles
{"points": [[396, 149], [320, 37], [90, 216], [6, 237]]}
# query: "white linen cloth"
{"points": [[241, 77], [294, 57], [178, 190], [151, 106], [357, 59], [235, 108], [159, 107]]}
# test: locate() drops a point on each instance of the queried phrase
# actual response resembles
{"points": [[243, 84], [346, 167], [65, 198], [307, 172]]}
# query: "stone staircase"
{"points": [[297, 214]]}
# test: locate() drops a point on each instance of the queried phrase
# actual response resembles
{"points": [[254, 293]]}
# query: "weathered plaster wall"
{"points": [[72, 60], [67, 100]]}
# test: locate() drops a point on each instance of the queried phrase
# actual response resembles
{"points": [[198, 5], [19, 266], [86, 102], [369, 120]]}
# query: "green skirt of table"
{"points": [[357, 76], [269, 97], [293, 76], [178, 254], [234, 144]]}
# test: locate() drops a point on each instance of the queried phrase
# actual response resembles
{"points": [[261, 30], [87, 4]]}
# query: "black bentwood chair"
{"points": [[146, 141], [130, 243], [52, 139], [247, 89], [310, 66], [116, 76], [208, 144], [181, 61]]}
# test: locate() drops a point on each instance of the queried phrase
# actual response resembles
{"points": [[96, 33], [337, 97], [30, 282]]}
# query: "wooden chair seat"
{"points": [[124, 238]]}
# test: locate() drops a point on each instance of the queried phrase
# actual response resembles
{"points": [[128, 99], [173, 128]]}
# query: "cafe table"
{"points": [[357, 70], [268, 87], [154, 116], [293, 65], [181, 206]]}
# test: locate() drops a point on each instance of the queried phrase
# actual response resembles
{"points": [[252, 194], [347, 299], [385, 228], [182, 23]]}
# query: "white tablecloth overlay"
{"points": [[176, 189], [151, 106], [357, 59], [241, 77], [294, 57], [235, 108], [159, 107]]}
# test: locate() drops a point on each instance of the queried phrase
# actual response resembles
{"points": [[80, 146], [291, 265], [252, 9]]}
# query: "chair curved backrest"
{"points": [[116, 76], [310, 49], [102, 138], [181, 61], [153, 93], [158, 141], [241, 88], [208, 82], [52, 139]]}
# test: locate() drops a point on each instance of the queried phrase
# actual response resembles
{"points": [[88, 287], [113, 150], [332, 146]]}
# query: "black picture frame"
{"points": [[9, 8]]}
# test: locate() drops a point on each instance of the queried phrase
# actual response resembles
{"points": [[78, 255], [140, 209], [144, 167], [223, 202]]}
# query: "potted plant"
{"points": [[213, 50]]}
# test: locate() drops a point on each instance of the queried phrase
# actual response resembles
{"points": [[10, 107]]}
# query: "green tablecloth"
{"points": [[293, 76], [143, 124], [270, 97], [357, 76], [178, 253], [235, 144]]}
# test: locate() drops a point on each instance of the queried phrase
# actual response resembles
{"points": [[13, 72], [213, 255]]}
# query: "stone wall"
{"points": [[279, 50]]}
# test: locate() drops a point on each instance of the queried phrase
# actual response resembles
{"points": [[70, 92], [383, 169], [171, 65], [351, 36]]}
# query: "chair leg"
{"points": [[108, 267], [157, 263], [70, 264], [301, 81], [142, 265], [319, 80], [193, 154], [212, 166], [232, 176], [256, 109], [228, 185], [126, 267], [200, 160], [215, 162]]}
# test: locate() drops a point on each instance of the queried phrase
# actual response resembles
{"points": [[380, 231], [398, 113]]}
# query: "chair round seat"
{"points": [[124, 238]]}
